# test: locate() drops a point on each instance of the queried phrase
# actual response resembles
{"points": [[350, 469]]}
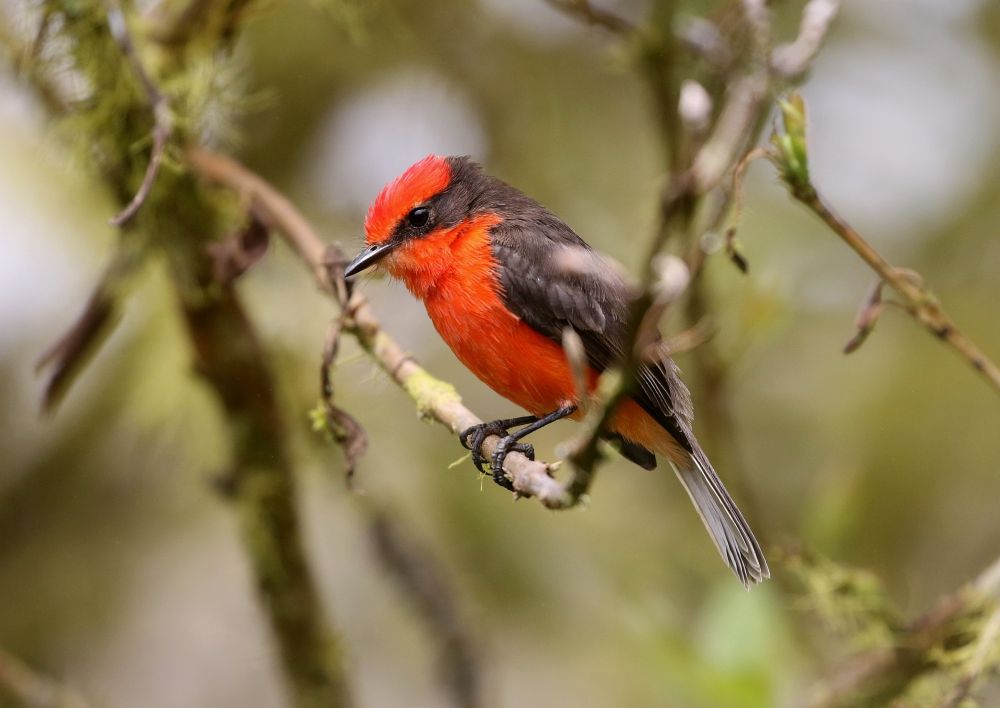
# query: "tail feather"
{"points": [[725, 524]]}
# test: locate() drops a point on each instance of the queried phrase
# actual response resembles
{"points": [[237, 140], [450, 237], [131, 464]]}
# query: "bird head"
{"points": [[407, 210]]}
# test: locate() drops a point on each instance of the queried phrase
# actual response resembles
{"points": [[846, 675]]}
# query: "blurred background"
{"points": [[120, 569]]}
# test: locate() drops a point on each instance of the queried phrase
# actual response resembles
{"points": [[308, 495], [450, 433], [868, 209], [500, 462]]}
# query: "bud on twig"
{"points": [[868, 315], [695, 107], [672, 278], [792, 157]]}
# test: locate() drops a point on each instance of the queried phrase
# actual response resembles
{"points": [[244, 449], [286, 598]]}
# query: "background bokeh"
{"points": [[120, 569]]}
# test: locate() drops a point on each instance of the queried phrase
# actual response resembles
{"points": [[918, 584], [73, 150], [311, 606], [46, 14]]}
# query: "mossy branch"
{"points": [[936, 659], [261, 483], [180, 221]]}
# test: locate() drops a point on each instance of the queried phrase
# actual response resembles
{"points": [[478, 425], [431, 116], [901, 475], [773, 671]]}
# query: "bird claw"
{"points": [[507, 445], [472, 440]]}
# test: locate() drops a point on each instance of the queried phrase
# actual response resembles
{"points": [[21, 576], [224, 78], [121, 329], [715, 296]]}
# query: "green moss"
{"points": [[428, 392], [851, 601]]}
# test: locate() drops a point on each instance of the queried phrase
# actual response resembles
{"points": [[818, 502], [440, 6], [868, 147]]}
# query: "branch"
{"points": [[198, 18], [261, 483], [435, 399], [227, 352], [420, 577], [162, 121], [585, 10], [27, 687], [989, 640], [790, 155], [876, 677], [791, 61], [337, 422], [68, 355], [25, 60]]}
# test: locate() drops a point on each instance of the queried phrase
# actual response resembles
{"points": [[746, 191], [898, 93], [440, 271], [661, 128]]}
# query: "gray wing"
{"points": [[551, 286]]}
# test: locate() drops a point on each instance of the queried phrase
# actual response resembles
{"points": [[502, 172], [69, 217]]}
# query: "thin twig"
{"points": [[341, 425], [25, 61], [162, 120], [67, 356], [868, 314], [791, 61], [732, 132], [690, 338], [586, 11], [695, 171], [576, 356], [922, 304], [234, 255]]}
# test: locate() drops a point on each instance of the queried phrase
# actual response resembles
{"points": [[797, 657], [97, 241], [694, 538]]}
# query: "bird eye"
{"points": [[418, 217]]}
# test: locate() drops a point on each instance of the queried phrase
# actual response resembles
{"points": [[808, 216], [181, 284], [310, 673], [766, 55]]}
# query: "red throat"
{"points": [[447, 256]]}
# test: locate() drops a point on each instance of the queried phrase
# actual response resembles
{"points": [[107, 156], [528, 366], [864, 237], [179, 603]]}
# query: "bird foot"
{"points": [[472, 440], [507, 445]]}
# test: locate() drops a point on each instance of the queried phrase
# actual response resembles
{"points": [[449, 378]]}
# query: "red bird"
{"points": [[502, 278]]}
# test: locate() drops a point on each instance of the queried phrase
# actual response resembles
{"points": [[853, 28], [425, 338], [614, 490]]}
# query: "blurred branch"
{"points": [[792, 60], [261, 483], [790, 155], [964, 623], [421, 579], [68, 356], [341, 425], [416, 571], [180, 223], [25, 61], [868, 314], [988, 641], [162, 121], [198, 18], [586, 11], [26, 687], [435, 399], [696, 168]]}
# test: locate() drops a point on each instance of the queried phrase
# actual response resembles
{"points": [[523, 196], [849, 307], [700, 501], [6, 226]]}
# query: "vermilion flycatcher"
{"points": [[502, 278]]}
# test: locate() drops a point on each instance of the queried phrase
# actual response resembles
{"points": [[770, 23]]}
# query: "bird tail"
{"points": [[725, 524]]}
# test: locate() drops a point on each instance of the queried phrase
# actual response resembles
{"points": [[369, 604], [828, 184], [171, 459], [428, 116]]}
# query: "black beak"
{"points": [[367, 258]]}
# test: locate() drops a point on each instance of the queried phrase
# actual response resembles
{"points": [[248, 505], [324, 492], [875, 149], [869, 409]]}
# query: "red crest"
{"points": [[420, 182]]}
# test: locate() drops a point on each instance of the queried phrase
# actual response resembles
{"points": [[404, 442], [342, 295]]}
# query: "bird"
{"points": [[502, 279]]}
